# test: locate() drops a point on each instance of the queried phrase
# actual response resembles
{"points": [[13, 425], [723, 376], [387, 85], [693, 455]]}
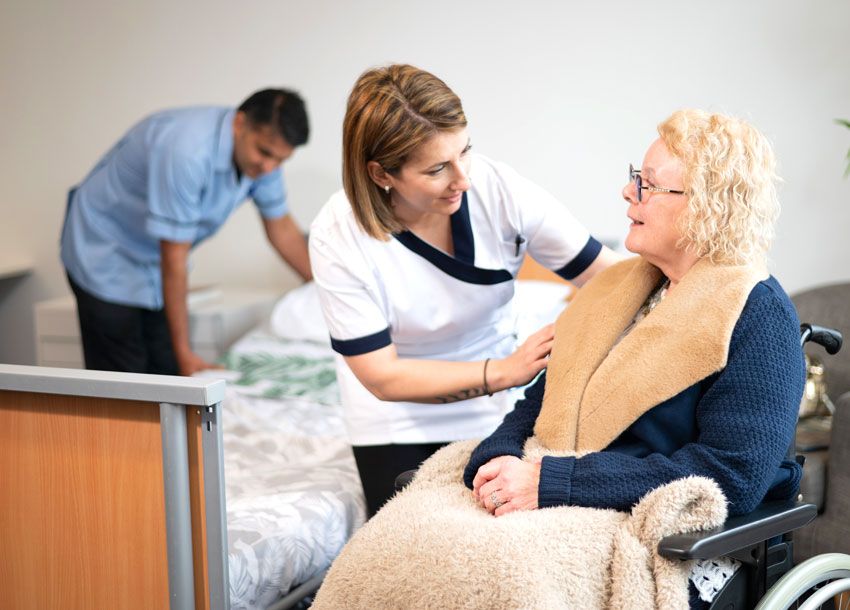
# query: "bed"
{"points": [[271, 435], [293, 493]]}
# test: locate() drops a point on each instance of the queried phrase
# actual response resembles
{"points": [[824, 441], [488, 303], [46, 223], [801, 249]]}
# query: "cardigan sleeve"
{"points": [[509, 438], [745, 417]]}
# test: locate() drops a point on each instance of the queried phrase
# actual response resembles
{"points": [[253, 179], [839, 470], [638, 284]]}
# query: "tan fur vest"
{"points": [[593, 392]]}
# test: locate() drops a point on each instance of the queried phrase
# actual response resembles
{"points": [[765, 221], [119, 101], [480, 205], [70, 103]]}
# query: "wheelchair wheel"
{"points": [[820, 582]]}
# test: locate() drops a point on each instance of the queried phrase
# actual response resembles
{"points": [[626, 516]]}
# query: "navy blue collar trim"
{"points": [[455, 268], [461, 267], [581, 261], [462, 237]]}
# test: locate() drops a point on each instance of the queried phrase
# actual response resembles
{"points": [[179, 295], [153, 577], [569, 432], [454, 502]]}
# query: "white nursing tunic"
{"points": [[434, 306]]}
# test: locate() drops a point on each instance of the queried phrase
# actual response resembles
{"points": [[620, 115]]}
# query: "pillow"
{"points": [[536, 304], [298, 316]]}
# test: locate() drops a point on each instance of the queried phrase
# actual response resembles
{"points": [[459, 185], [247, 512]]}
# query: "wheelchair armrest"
{"points": [[766, 521], [404, 479]]}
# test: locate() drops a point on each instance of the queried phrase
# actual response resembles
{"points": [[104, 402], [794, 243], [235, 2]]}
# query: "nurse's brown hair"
{"points": [[391, 111]]}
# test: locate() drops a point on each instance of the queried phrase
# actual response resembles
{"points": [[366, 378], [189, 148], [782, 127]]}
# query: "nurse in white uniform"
{"points": [[415, 262]]}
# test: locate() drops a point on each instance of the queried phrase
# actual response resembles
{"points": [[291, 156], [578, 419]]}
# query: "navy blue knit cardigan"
{"points": [[735, 426]]}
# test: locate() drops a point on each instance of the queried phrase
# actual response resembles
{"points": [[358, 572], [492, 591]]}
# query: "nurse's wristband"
{"points": [[486, 387]]}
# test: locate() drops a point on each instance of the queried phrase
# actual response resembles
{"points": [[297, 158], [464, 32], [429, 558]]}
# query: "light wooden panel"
{"points": [[532, 270], [196, 500], [81, 495]]}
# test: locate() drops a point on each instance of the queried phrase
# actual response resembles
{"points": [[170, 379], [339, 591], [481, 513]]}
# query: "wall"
{"points": [[568, 93]]}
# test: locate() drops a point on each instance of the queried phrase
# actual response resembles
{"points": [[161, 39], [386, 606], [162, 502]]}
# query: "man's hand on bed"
{"points": [[189, 363], [506, 484]]}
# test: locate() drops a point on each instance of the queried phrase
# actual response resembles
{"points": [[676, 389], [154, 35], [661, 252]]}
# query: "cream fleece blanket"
{"points": [[432, 546]]}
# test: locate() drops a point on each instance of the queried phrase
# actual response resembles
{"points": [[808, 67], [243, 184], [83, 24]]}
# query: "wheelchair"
{"points": [[762, 542]]}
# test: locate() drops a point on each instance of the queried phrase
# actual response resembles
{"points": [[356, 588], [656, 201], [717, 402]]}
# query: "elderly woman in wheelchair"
{"points": [[669, 402]]}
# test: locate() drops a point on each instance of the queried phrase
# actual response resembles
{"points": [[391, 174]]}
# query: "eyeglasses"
{"points": [[634, 176]]}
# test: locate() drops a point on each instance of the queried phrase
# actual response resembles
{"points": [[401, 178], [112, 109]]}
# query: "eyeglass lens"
{"points": [[634, 176]]}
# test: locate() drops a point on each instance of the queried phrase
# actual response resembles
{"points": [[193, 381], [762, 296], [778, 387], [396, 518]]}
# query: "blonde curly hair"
{"points": [[730, 177]]}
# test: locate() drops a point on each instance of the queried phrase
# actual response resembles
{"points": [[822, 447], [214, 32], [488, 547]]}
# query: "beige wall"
{"points": [[568, 93]]}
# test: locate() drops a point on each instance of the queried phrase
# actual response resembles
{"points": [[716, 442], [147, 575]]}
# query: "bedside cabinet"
{"points": [[57, 334], [215, 322]]}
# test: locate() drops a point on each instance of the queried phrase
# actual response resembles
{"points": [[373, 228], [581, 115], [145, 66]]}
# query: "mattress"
{"points": [[293, 493], [292, 489]]}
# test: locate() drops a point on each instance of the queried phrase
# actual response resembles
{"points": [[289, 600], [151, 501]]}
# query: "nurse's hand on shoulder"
{"points": [[523, 365]]}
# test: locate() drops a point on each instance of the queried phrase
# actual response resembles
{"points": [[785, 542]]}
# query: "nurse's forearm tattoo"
{"points": [[462, 395]]}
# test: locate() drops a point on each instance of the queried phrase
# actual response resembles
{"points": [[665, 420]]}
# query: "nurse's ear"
{"points": [[379, 175]]}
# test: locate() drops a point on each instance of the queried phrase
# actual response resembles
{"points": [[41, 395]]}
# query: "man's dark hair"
{"points": [[281, 109]]}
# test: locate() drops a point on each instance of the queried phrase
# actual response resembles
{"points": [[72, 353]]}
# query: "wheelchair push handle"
{"points": [[830, 339]]}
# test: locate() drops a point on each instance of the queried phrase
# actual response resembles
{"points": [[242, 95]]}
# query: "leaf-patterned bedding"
{"points": [[293, 493]]}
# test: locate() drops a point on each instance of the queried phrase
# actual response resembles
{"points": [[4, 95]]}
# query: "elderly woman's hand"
{"points": [[507, 483]]}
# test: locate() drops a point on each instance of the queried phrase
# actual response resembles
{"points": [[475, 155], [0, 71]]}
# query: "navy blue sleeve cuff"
{"points": [[582, 260], [556, 478], [362, 345]]}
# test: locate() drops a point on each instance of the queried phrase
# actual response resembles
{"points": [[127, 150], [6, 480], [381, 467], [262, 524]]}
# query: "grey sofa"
{"points": [[827, 472]]}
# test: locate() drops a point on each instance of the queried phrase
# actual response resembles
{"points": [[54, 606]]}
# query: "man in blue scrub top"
{"points": [[166, 186]]}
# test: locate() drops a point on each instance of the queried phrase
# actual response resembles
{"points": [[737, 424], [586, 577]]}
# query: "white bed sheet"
{"points": [[293, 492], [292, 489]]}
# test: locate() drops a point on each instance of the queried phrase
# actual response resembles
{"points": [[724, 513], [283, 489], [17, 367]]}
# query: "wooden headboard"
{"points": [[532, 270]]}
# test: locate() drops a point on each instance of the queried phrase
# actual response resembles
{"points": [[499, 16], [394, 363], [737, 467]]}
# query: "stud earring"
{"points": [[387, 189]]}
